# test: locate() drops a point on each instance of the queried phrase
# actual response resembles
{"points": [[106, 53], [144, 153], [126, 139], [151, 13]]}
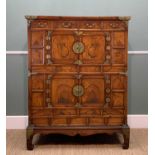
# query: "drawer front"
{"points": [[88, 25], [40, 121], [64, 112], [41, 24], [77, 121], [65, 25]]}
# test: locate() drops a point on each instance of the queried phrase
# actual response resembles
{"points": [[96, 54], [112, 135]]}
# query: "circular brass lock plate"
{"points": [[78, 47], [78, 90]]}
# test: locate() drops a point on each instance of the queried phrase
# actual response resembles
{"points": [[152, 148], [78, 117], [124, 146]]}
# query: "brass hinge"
{"points": [[30, 17], [31, 73], [123, 73], [78, 62], [78, 33], [78, 105]]}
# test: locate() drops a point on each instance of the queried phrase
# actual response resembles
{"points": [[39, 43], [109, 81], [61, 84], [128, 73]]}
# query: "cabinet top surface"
{"points": [[31, 17]]}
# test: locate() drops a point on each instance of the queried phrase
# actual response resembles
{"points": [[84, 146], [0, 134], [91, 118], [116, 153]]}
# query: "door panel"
{"points": [[37, 39], [119, 89], [118, 39], [93, 91], [94, 48], [37, 82], [61, 91], [37, 56], [62, 50], [37, 99], [36, 89], [118, 82], [37, 48]]}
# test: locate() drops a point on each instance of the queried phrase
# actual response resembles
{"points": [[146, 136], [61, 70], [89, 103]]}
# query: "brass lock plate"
{"points": [[78, 90], [78, 47]]}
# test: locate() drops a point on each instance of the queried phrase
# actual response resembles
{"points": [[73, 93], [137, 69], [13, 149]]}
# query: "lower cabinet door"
{"points": [[65, 100]]}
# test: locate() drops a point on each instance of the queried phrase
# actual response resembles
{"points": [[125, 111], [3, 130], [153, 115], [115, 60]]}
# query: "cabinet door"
{"points": [[106, 91], [60, 89], [93, 91], [62, 48], [94, 48]]}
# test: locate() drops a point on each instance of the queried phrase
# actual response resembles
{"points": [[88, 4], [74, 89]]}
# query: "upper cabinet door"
{"points": [[62, 48], [93, 48]]}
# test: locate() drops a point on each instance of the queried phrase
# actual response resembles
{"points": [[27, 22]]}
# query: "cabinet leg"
{"points": [[29, 138], [126, 136]]}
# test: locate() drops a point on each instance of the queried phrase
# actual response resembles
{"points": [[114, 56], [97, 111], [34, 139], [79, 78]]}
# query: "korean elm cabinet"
{"points": [[77, 79]]}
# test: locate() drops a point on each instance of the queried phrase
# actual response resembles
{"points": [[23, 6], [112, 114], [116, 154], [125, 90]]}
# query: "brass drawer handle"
{"points": [[42, 24], [114, 25], [66, 24], [90, 25]]}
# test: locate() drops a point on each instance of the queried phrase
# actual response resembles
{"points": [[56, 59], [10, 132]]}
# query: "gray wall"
{"points": [[17, 9], [16, 39]]}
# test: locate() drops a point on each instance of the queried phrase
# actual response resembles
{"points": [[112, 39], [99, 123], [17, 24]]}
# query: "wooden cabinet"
{"points": [[77, 76]]}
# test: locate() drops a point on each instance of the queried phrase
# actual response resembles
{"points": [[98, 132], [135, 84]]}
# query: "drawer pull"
{"points": [[90, 25], [42, 24], [66, 24], [114, 25]]}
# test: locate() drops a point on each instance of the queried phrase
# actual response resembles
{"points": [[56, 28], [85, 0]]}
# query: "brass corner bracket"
{"points": [[30, 17], [124, 18]]}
